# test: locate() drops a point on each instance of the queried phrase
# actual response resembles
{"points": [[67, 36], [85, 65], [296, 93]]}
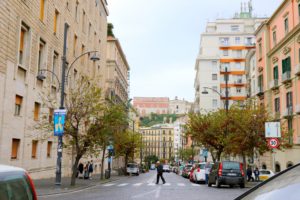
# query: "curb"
{"points": [[76, 189]]}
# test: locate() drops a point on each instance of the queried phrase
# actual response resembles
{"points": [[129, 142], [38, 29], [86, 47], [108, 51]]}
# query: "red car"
{"points": [[15, 183]]}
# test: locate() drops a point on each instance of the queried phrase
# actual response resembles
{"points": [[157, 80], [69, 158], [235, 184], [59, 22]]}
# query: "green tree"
{"points": [[187, 154], [150, 159]]}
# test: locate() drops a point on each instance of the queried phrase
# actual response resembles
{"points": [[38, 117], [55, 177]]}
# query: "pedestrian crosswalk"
{"points": [[150, 184]]}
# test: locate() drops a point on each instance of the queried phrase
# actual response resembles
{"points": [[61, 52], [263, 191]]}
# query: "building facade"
{"points": [[222, 52], [147, 105], [31, 40], [158, 140], [178, 106], [278, 82]]}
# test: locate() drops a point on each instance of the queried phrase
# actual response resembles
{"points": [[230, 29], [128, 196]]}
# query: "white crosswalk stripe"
{"points": [[193, 184], [167, 184], [109, 184], [137, 184], [123, 184], [181, 184], [151, 184]]}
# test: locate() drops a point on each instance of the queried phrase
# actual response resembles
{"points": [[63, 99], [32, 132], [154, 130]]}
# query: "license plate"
{"points": [[231, 174]]}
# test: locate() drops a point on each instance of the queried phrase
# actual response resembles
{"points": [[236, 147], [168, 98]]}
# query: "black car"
{"points": [[284, 185], [227, 173]]}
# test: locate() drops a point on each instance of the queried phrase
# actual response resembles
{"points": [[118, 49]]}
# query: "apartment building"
{"points": [[222, 54], [31, 40], [278, 82], [178, 106], [158, 140]]}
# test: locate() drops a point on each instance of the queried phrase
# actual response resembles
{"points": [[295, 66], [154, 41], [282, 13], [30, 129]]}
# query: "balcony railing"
{"points": [[238, 81], [288, 112], [286, 76], [297, 69], [298, 109], [274, 84]]}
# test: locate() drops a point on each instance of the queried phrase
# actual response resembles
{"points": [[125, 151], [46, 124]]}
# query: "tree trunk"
{"points": [[219, 155], [126, 162], [74, 169], [102, 162]]}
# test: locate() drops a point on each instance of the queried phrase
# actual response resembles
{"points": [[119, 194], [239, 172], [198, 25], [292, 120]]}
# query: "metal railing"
{"points": [[286, 76], [274, 84], [288, 111]]}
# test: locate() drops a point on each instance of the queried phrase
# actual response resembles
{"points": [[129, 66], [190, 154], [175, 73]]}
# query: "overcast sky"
{"points": [[160, 39]]}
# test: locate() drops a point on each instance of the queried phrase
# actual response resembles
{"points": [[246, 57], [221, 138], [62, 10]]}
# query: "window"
{"points": [[34, 148], [37, 107], [238, 65], [24, 37], [286, 25], [275, 73], [215, 103], [235, 28], [289, 99], [239, 53], [286, 65], [249, 41], [237, 40], [290, 129], [274, 38], [260, 82], [74, 45], [51, 112], [225, 52], [15, 148], [277, 105], [56, 15], [55, 66], [224, 41], [238, 90], [49, 147], [299, 10], [18, 105], [83, 21], [42, 10], [260, 50], [42, 55], [214, 77]]}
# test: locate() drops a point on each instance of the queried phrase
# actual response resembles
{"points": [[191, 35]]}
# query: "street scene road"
{"points": [[144, 187]]}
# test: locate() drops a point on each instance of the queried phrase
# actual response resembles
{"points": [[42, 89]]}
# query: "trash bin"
{"points": [[107, 174]]}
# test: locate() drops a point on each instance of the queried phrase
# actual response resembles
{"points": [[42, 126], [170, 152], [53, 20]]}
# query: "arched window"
{"points": [[289, 164], [277, 167], [264, 166]]}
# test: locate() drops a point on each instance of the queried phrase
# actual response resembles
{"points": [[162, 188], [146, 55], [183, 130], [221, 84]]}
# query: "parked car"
{"points": [[284, 185], [152, 167], [186, 170], [15, 183], [166, 168], [227, 173], [191, 175], [132, 168], [199, 173], [265, 174]]}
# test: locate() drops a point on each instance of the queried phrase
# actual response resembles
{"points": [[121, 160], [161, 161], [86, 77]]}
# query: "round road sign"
{"points": [[273, 143]]}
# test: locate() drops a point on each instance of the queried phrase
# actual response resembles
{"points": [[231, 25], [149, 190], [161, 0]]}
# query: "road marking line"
{"points": [[167, 184], [157, 194], [193, 184], [181, 184], [123, 184], [151, 184], [137, 184], [107, 185]]}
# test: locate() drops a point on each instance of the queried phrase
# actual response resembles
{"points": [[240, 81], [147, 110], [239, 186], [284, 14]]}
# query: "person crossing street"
{"points": [[160, 173]]}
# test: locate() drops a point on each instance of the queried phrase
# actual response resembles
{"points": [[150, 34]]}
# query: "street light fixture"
{"points": [[64, 77]]}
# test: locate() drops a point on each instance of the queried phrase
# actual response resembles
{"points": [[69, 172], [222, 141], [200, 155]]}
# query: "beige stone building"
{"points": [[179, 106], [31, 39], [158, 140]]}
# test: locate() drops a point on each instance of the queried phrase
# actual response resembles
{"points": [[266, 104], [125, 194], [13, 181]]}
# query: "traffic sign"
{"points": [[59, 122], [272, 130], [273, 143]]}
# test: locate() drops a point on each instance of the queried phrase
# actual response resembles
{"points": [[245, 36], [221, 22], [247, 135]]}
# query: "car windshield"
{"points": [[265, 172], [284, 186], [231, 165], [131, 165], [202, 166]]}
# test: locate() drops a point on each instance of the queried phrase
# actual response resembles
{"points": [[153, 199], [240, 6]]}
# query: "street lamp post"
{"points": [[62, 95]]}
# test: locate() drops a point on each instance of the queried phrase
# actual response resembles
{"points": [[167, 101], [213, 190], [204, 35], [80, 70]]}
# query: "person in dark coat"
{"points": [[256, 173], [160, 173], [80, 170], [249, 174]]}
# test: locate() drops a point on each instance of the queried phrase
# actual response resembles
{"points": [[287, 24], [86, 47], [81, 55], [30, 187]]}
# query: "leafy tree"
{"points": [[187, 154], [154, 119], [150, 159]]}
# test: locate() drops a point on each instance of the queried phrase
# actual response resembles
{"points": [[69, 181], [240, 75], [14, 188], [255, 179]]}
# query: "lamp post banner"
{"points": [[59, 122]]}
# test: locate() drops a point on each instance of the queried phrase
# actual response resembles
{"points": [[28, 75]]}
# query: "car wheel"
{"points": [[231, 186], [242, 185], [218, 183]]}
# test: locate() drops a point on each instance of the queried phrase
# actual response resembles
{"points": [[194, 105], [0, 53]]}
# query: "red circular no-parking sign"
{"points": [[273, 143]]}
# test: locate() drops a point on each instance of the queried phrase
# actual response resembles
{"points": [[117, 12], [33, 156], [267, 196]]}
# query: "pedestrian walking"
{"points": [[160, 173], [256, 173], [80, 170], [86, 171], [207, 171], [249, 174], [91, 169]]}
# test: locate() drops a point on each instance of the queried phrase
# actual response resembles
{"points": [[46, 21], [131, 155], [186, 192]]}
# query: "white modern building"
{"points": [[223, 49]]}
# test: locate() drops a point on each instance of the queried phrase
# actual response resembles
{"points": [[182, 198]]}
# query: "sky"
{"points": [[161, 40]]}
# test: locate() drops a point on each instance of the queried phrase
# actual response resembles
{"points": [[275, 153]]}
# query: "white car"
{"points": [[264, 174], [132, 168], [166, 168], [199, 172]]}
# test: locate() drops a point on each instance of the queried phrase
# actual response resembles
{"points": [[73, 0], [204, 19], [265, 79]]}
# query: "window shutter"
{"points": [[288, 64], [275, 73], [34, 147], [22, 40], [283, 66], [18, 100], [15, 147]]}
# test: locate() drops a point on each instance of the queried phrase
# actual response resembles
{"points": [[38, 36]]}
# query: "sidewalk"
{"points": [[251, 184], [46, 187]]}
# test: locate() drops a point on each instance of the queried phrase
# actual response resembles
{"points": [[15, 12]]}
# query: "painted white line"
{"points": [[167, 184], [151, 184], [122, 185], [137, 184], [181, 184], [109, 184], [157, 194], [193, 184], [144, 194]]}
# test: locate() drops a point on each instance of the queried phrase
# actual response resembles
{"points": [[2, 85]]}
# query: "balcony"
{"points": [[259, 91], [298, 109], [223, 68], [286, 76], [288, 112], [297, 70], [238, 82], [274, 84]]}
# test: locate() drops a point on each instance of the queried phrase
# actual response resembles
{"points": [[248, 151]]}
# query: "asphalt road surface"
{"points": [[143, 187]]}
